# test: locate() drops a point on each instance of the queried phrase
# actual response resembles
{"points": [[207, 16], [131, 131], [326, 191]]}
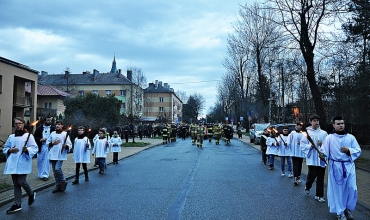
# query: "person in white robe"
{"points": [[19, 149], [115, 145], [59, 145], [285, 153], [272, 149], [100, 150], [81, 154], [41, 135], [314, 160], [342, 150], [293, 141]]}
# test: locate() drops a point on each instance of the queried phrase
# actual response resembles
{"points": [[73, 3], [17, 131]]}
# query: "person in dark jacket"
{"points": [[126, 131], [264, 137]]}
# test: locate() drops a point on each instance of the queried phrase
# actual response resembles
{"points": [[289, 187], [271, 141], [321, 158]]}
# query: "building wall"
{"points": [[11, 77], [56, 103], [127, 99], [172, 106]]}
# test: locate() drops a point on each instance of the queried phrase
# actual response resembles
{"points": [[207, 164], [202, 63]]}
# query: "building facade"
{"points": [[103, 84], [161, 103], [50, 101], [18, 94]]}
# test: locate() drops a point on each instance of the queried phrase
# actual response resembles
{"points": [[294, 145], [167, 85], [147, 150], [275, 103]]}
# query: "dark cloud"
{"points": [[171, 41]]}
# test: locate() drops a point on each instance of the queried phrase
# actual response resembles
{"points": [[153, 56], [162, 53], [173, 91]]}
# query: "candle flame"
{"points": [[70, 128], [34, 123], [276, 131], [89, 129]]}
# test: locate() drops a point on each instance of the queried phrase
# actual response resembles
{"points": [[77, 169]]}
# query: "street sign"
{"points": [[232, 120], [249, 118], [241, 118]]}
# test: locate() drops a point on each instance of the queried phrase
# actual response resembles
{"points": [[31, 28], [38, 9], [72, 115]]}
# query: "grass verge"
{"points": [[4, 186]]}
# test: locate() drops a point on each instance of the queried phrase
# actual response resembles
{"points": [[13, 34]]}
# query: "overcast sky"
{"points": [[179, 42]]}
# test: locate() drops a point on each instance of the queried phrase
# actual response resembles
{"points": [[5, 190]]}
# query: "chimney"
{"points": [[66, 72], [165, 85], [95, 73], [129, 75], [43, 74], [119, 71], [160, 83], [151, 85]]}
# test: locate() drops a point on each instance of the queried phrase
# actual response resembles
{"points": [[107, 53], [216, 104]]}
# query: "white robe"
{"points": [[81, 153], [283, 150], [115, 144], [55, 152], [293, 139], [18, 163], [270, 148], [312, 157], [342, 188], [100, 148]]}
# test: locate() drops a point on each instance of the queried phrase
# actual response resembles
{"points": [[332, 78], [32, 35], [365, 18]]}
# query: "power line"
{"points": [[197, 81]]}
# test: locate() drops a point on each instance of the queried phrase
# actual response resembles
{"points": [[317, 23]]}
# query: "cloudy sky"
{"points": [[179, 42]]}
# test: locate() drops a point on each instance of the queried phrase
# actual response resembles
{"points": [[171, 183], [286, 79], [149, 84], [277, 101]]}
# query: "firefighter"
{"points": [[193, 133], [173, 132], [183, 131], [200, 134], [228, 132], [217, 131], [165, 134], [210, 132]]}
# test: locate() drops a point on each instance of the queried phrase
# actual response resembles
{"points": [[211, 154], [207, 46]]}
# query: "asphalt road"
{"points": [[180, 181]]}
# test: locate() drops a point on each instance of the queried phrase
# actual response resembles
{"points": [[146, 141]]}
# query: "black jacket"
{"points": [[38, 134]]}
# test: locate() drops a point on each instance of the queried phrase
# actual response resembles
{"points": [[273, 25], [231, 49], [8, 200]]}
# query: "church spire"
{"points": [[114, 68]]}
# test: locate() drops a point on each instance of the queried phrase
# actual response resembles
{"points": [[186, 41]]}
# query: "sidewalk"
{"points": [[363, 177], [69, 168]]}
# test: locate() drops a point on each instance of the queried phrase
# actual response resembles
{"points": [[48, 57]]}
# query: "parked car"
{"points": [[256, 131]]}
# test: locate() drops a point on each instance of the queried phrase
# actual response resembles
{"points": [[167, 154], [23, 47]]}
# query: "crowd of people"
{"points": [[51, 144], [337, 150]]}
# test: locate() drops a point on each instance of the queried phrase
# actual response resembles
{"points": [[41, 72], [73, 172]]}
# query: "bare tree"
{"points": [[182, 95], [138, 77], [302, 20]]}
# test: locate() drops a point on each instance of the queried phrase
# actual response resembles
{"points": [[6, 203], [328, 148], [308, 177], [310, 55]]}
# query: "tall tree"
{"points": [[302, 20], [139, 78]]}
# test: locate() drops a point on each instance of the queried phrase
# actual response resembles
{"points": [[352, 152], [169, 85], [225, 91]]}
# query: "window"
{"points": [[95, 92], [81, 92], [160, 99], [123, 106], [47, 105], [108, 92], [160, 109], [122, 92]]}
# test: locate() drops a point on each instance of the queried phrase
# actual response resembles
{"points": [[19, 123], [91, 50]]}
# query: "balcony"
{"points": [[42, 112], [22, 101]]}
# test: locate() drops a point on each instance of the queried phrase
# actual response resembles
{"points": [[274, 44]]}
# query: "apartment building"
{"points": [[18, 94], [103, 84], [161, 103]]}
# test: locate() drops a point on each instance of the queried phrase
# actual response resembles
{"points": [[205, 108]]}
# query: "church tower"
{"points": [[114, 68]]}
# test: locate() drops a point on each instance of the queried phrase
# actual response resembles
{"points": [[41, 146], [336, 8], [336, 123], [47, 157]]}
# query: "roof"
{"points": [[19, 65], [84, 79], [157, 89], [46, 90]]}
